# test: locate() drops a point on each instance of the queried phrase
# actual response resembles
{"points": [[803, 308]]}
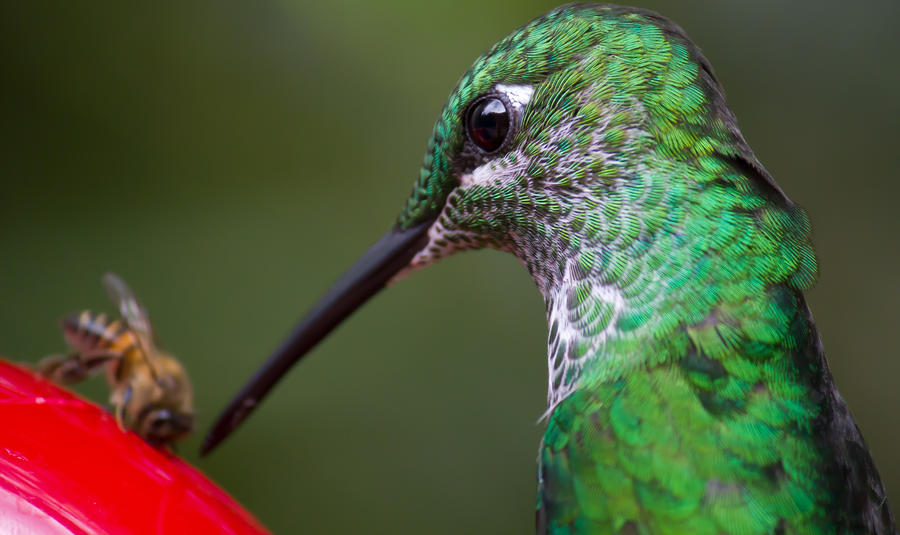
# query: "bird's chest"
{"points": [[643, 454]]}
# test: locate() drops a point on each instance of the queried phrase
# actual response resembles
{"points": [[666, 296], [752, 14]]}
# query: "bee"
{"points": [[151, 392]]}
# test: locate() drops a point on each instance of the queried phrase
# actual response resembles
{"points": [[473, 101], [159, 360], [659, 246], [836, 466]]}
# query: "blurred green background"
{"points": [[229, 159]]}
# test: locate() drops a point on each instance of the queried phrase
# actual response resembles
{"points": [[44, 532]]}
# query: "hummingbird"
{"points": [[688, 390]]}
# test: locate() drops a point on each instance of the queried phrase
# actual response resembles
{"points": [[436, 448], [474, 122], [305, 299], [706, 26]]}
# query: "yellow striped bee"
{"points": [[151, 392]]}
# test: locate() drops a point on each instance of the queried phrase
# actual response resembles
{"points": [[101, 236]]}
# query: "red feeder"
{"points": [[67, 468]]}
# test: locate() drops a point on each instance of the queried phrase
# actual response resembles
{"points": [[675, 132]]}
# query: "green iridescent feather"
{"points": [[688, 390]]}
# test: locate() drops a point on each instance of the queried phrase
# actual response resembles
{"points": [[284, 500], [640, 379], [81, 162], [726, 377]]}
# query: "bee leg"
{"points": [[73, 368], [94, 361], [63, 369], [121, 402]]}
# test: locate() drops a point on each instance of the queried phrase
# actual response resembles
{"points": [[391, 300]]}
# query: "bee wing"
{"points": [[133, 313]]}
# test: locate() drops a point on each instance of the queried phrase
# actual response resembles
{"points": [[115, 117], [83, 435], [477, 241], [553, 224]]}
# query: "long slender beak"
{"points": [[369, 274]]}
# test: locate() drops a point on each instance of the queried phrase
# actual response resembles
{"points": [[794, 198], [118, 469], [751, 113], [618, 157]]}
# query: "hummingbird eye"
{"points": [[488, 123]]}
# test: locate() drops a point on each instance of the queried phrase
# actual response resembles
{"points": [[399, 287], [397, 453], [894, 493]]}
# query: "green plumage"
{"points": [[688, 390]]}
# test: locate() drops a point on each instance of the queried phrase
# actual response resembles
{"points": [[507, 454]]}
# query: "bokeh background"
{"points": [[230, 159]]}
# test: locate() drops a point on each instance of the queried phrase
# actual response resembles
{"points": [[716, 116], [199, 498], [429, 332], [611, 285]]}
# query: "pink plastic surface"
{"points": [[66, 467]]}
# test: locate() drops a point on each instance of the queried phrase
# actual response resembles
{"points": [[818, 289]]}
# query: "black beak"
{"points": [[369, 274]]}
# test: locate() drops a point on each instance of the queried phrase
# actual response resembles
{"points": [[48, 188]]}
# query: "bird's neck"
{"points": [[657, 265]]}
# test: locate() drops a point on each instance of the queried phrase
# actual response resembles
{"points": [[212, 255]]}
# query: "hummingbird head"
{"points": [[594, 143], [566, 132]]}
